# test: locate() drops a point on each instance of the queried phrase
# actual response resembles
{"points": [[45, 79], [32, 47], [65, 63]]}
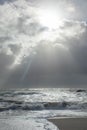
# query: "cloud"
{"points": [[29, 28], [18, 27], [32, 55], [56, 62], [73, 29], [6, 1], [6, 59]]}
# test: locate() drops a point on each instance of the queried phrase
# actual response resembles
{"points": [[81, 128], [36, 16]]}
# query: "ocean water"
{"points": [[37, 105]]}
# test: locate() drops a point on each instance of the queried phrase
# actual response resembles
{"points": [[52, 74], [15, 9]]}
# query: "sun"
{"points": [[49, 18]]}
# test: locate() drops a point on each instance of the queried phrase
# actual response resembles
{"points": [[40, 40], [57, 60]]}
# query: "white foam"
{"points": [[26, 124]]}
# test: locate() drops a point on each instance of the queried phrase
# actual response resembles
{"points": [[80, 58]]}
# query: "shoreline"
{"points": [[71, 123]]}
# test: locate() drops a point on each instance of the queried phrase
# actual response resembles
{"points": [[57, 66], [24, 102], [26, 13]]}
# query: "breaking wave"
{"points": [[43, 100], [10, 105]]}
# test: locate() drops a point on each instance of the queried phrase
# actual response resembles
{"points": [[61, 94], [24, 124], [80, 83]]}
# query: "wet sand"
{"points": [[70, 123]]}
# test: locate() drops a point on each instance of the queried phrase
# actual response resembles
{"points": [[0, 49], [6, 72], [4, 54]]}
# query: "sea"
{"points": [[33, 107]]}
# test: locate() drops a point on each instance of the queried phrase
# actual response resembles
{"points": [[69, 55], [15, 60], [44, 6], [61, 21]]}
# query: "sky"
{"points": [[43, 43]]}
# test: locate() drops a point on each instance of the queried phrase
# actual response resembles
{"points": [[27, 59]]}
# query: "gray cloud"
{"points": [[56, 63], [6, 1], [31, 29], [32, 55], [15, 48]]}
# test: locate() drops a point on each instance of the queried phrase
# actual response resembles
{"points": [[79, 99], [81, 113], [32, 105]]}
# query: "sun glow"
{"points": [[50, 18]]}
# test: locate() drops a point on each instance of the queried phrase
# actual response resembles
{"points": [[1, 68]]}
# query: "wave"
{"points": [[16, 105], [43, 100]]}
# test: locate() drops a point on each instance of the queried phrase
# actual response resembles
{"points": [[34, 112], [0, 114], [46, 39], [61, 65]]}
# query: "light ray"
{"points": [[27, 68]]}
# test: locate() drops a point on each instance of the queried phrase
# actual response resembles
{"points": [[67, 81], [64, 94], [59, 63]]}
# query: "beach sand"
{"points": [[70, 123]]}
